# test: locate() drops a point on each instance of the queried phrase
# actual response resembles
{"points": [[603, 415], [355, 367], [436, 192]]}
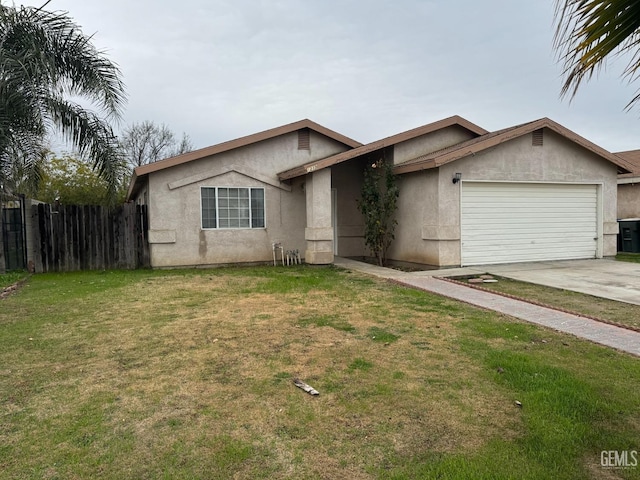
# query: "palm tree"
{"points": [[45, 62], [588, 31]]}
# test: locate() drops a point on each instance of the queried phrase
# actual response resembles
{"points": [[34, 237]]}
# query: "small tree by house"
{"points": [[378, 203], [146, 142], [71, 181]]}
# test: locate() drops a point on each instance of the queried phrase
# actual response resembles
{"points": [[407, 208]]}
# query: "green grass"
{"points": [[380, 335], [602, 308], [333, 321], [187, 374], [8, 279], [628, 257]]}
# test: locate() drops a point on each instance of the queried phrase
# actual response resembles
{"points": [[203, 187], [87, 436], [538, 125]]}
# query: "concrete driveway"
{"points": [[602, 278]]}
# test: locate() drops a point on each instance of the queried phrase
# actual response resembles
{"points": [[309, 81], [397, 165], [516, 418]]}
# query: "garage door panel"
{"points": [[516, 240], [512, 245], [540, 193], [506, 219], [534, 222], [502, 223], [536, 205], [524, 256], [531, 229]]}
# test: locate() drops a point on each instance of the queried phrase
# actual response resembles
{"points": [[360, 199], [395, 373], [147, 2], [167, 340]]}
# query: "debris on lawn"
{"points": [[482, 279], [5, 292], [518, 404], [500, 370], [307, 388]]}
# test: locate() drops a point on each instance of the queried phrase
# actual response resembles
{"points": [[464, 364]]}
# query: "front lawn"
{"points": [[187, 374]]}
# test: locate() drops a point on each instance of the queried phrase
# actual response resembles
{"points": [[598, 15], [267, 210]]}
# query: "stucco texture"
{"points": [[429, 211], [176, 235], [629, 200], [317, 213]]}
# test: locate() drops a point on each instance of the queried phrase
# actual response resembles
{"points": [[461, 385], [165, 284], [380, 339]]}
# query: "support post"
{"points": [[319, 232]]}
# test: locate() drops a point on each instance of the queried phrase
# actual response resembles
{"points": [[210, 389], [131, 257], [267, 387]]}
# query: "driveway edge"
{"points": [[539, 304]]}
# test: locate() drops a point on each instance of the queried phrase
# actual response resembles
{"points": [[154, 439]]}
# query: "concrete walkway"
{"points": [[598, 332]]}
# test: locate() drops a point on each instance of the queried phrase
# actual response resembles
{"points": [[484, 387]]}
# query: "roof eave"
{"points": [[242, 142], [133, 187], [465, 151], [326, 162], [382, 144], [630, 180]]}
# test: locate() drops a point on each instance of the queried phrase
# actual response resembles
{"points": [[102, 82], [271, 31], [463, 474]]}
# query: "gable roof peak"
{"points": [[492, 139], [144, 170], [455, 120]]}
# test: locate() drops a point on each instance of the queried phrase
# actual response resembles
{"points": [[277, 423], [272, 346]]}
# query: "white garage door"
{"points": [[525, 222]]}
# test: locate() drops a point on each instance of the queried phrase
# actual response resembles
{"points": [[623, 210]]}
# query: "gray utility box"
{"points": [[629, 235]]}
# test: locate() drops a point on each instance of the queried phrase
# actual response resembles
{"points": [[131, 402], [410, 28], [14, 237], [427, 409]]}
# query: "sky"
{"points": [[217, 69]]}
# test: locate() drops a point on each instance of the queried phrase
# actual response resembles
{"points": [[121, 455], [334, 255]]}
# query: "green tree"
{"points": [[45, 62], [72, 181], [378, 202], [589, 31]]}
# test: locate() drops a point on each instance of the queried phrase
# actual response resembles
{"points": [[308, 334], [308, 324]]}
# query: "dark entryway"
{"points": [[14, 235]]}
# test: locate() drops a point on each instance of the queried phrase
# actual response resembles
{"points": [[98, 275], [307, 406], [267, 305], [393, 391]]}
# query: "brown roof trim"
{"points": [[379, 144], [471, 147], [632, 157], [232, 144]]}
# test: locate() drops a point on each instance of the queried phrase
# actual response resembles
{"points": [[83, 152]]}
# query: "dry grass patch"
{"points": [[188, 374]]}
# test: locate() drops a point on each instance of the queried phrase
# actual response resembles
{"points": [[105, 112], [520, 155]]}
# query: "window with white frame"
{"points": [[232, 207]]}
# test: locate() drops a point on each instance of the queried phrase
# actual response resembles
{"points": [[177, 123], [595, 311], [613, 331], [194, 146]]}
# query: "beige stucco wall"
{"points": [[346, 179], [428, 212], [429, 199], [629, 200], [417, 206], [430, 142], [319, 232], [175, 233]]}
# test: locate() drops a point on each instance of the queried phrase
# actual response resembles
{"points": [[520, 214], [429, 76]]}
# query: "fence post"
{"points": [[36, 246], [3, 265]]}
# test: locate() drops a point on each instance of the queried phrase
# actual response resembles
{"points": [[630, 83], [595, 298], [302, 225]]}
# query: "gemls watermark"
{"points": [[619, 459]]}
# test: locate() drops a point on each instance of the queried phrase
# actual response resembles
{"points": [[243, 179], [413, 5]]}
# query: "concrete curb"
{"points": [[540, 304]]}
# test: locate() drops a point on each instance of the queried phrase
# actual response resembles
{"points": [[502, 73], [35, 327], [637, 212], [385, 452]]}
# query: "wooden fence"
{"points": [[71, 237]]}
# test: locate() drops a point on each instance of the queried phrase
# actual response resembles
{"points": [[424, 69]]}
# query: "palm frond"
{"points": [[45, 59], [590, 31], [91, 136]]}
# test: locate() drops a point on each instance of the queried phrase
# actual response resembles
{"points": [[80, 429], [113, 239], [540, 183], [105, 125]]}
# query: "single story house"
{"points": [[532, 192], [629, 186]]}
